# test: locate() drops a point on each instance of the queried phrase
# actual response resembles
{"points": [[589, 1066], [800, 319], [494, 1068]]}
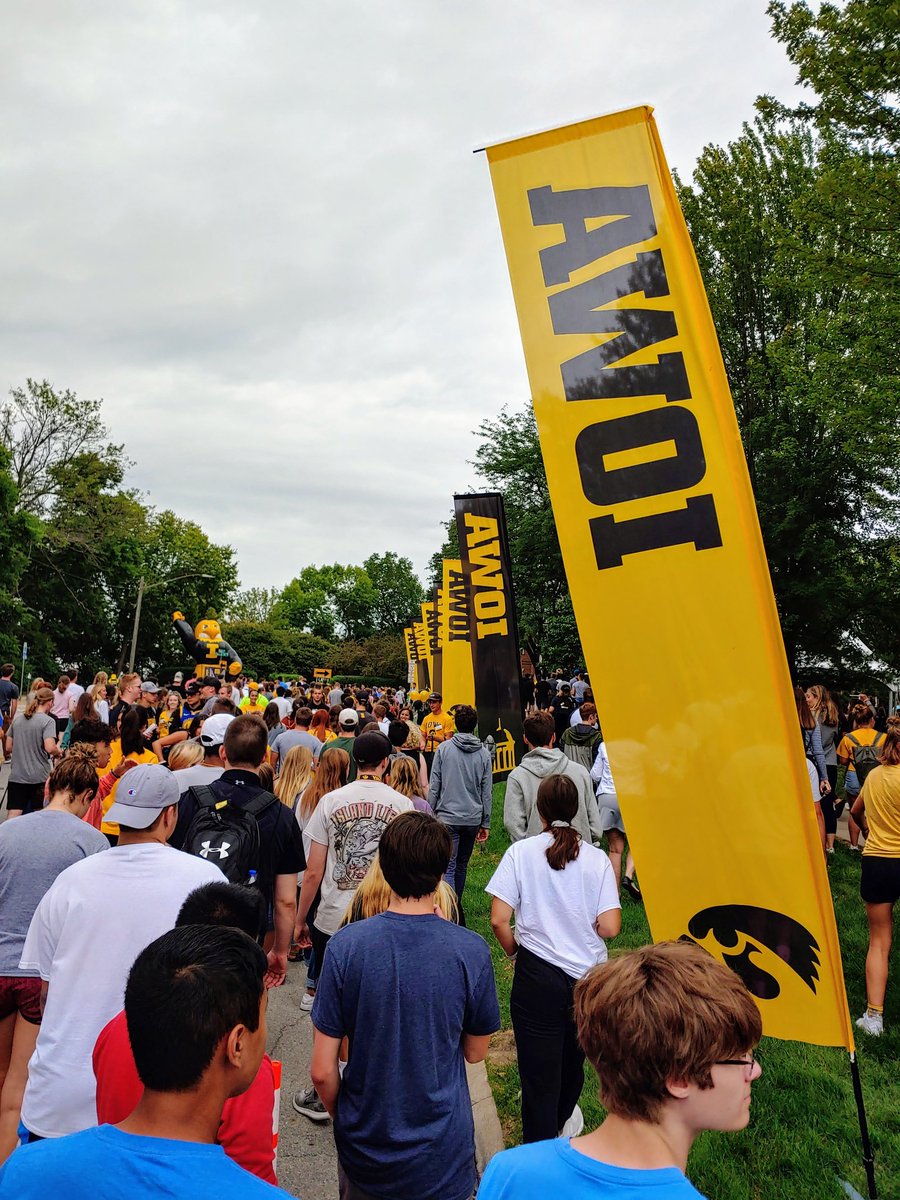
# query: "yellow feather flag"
{"points": [[458, 676], [666, 565]]}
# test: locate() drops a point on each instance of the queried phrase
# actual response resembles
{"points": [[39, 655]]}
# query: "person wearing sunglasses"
{"points": [[671, 1033]]}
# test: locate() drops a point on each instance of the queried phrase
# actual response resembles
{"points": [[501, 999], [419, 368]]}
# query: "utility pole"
{"points": [[137, 621]]}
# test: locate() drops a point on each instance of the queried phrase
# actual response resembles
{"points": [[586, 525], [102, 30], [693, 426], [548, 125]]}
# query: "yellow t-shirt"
{"points": [[249, 709], [146, 757], [865, 737], [881, 795], [437, 728]]}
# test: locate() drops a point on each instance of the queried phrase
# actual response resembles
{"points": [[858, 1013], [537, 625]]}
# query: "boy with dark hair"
{"points": [[671, 1033], [195, 1004], [421, 1143], [245, 1133]]}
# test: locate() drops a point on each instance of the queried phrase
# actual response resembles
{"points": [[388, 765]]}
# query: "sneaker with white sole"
{"points": [[308, 1104], [871, 1023], [574, 1125], [306, 1002]]}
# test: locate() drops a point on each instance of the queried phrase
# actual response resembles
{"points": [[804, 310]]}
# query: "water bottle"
{"points": [[251, 879]]}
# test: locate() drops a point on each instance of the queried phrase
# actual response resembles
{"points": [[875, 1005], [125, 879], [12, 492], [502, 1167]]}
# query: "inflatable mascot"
{"points": [[212, 655]]}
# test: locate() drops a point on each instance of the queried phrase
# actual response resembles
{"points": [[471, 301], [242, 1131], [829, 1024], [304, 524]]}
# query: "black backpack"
{"points": [[225, 834], [866, 758]]}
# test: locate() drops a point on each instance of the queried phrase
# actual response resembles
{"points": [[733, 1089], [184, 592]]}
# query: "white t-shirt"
{"points": [[102, 707], [350, 823], [556, 910], [284, 707], [198, 773], [84, 937]]}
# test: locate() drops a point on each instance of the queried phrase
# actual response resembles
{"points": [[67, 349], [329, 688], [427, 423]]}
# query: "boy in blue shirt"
{"points": [[195, 1004], [670, 1032]]}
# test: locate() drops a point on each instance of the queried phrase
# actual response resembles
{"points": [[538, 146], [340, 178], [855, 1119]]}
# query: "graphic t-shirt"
{"points": [[350, 822], [405, 989], [555, 1168], [556, 910], [437, 728], [104, 1162], [881, 795]]}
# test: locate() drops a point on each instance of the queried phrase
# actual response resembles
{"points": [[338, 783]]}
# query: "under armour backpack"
{"points": [[227, 834], [866, 758]]}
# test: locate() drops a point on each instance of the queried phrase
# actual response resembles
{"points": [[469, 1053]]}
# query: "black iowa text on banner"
{"points": [[484, 552], [666, 565]]}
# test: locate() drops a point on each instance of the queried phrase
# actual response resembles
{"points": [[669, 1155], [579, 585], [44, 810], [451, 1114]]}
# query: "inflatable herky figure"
{"points": [[212, 655]]}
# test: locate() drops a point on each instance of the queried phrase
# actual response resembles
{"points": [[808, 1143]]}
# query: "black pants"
{"points": [[551, 1063], [319, 942], [829, 800]]}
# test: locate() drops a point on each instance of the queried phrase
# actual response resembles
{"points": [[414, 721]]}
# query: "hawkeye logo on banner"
{"points": [[665, 562], [456, 657]]}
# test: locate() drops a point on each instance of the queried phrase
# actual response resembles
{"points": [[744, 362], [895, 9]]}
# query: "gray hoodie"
{"points": [[459, 790], [520, 814]]}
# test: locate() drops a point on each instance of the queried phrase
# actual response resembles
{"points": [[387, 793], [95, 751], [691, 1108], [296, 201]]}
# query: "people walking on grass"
{"points": [[611, 822], [860, 751], [825, 711], [877, 811], [564, 897], [671, 1033]]}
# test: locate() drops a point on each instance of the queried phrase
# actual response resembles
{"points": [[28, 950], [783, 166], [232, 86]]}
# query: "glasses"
{"points": [[747, 1063]]}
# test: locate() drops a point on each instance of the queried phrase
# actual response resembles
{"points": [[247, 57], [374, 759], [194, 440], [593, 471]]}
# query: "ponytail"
{"points": [[890, 747], [557, 804], [38, 696]]}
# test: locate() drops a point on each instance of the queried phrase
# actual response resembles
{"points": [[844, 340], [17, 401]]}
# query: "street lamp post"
{"points": [[140, 600]]}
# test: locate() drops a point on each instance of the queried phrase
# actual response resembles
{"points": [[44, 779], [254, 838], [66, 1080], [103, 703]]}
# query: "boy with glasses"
{"points": [[670, 1032]]}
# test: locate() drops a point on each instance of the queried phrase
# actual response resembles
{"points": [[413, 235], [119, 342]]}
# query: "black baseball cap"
{"points": [[371, 747]]}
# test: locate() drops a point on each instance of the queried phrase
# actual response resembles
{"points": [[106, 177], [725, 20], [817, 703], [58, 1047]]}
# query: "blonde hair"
{"points": [[331, 774], [296, 772], [823, 706], [890, 750], [185, 754], [374, 895], [41, 696], [403, 777]]}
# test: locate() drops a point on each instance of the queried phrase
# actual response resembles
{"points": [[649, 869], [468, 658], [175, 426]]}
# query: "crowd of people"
{"points": [[170, 850]]}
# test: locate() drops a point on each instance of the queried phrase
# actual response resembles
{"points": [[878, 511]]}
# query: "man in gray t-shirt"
{"points": [[298, 736]]}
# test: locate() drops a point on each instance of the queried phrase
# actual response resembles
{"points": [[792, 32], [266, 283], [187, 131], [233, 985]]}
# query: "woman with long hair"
{"points": [[98, 695], [416, 739], [33, 851], [294, 776], [32, 744], [84, 710], [824, 709], [863, 741], [131, 746], [373, 895], [815, 757], [404, 777], [877, 809], [319, 726], [334, 726], [565, 899]]}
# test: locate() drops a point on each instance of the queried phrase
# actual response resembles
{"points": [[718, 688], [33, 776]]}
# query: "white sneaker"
{"points": [[306, 1002], [871, 1023], [574, 1125]]}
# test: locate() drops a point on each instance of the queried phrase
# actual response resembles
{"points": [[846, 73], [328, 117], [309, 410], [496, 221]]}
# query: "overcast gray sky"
{"points": [[258, 231]]}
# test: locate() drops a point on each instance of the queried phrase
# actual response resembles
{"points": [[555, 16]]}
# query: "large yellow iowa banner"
{"points": [[666, 565]]}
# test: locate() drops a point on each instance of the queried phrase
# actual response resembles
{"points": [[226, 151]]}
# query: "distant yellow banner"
{"points": [[458, 677], [666, 565]]}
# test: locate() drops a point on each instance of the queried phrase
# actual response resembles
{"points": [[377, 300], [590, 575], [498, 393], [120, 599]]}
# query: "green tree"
{"points": [[267, 650], [817, 411], [329, 601], [253, 604], [19, 533], [398, 591]]}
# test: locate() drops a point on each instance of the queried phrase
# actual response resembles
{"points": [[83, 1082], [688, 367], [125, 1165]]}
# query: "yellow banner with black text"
{"points": [[665, 563]]}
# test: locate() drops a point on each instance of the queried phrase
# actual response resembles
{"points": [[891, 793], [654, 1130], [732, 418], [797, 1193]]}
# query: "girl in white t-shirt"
{"points": [[565, 898]]}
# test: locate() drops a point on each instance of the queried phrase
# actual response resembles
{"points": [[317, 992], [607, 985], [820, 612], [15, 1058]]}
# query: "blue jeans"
{"points": [[463, 843]]}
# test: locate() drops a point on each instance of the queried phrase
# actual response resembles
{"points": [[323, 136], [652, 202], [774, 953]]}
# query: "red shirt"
{"points": [[245, 1133]]}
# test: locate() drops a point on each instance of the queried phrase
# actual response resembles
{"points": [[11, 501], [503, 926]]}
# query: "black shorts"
{"points": [[29, 797], [880, 880]]}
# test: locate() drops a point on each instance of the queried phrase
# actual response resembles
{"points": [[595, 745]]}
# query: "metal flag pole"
{"points": [[868, 1156]]}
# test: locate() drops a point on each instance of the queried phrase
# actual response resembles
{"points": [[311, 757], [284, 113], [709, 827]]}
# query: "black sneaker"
{"points": [[631, 887], [309, 1105]]}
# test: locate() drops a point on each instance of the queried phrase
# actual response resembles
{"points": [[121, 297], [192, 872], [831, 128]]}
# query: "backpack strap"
{"points": [[205, 796], [258, 805], [854, 740]]}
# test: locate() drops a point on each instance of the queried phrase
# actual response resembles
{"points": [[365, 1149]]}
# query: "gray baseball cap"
{"points": [[141, 795]]}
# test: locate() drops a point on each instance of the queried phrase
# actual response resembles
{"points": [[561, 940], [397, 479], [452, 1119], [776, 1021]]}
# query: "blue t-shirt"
{"points": [[405, 989], [106, 1164], [553, 1168]]}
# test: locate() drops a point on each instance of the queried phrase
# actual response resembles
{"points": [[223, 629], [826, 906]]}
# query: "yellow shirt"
{"points": [[881, 795], [437, 728], [865, 737], [249, 709], [145, 757]]}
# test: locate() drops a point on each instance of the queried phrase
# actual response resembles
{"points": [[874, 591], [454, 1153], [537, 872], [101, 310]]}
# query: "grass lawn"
{"points": [[803, 1132]]}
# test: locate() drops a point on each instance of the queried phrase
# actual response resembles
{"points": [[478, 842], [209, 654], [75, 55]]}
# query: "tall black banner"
{"points": [[484, 551]]}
